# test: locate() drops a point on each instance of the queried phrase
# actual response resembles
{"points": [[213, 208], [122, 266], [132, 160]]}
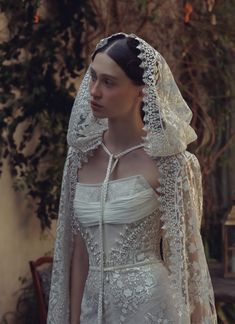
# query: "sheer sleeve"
{"points": [[183, 252]]}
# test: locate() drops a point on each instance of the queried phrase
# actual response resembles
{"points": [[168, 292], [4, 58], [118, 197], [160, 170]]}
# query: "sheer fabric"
{"points": [[122, 208], [136, 283], [180, 206], [167, 115], [184, 269]]}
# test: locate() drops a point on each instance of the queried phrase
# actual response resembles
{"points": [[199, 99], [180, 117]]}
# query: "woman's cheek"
{"points": [[113, 97]]}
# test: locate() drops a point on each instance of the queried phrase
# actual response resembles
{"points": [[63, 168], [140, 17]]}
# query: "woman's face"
{"points": [[113, 94]]}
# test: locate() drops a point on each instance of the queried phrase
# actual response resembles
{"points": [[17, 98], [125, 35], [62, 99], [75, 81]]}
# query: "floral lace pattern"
{"points": [[182, 243], [167, 119], [167, 115], [180, 210], [135, 292], [134, 295]]}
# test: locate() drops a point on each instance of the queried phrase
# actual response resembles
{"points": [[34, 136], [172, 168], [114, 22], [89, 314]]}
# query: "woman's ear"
{"points": [[141, 92]]}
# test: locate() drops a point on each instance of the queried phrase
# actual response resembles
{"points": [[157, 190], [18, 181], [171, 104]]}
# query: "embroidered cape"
{"points": [[167, 119]]}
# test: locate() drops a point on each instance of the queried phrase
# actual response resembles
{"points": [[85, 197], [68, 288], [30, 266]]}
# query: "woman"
{"points": [[129, 184]]}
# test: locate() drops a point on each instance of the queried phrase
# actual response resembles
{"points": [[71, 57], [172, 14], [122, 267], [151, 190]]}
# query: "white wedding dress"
{"points": [[136, 286], [122, 221]]}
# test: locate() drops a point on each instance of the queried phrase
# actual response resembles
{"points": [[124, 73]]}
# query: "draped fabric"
{"points": [[136, 283], [125, 210], [179, 205], [167, 115]]}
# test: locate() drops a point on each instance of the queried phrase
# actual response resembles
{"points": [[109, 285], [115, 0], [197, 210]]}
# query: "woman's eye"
{"points": [[108, 82], [93, 77]]}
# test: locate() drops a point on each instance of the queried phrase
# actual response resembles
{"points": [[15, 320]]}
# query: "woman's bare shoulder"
{"points": [[146, 165]]}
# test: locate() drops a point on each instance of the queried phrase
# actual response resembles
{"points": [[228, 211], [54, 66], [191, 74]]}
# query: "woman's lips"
{"points": [[95, 105]]}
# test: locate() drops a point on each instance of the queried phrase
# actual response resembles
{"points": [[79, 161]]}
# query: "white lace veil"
{"points": [[167, 124], [167, 115]]}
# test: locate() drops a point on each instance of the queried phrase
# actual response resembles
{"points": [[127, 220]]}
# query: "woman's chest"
{"points": [[134, 163]]}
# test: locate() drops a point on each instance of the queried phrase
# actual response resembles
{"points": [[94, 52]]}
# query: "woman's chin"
{"points": [[98, 114]]}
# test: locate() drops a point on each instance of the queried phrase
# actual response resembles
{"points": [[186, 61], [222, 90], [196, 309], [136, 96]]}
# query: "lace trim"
{"points": [[182, 246], [183, 249], [167, 116]]}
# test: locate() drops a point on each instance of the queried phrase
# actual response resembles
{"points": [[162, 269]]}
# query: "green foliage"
{"points": [[38, 67], [26, 311], [208, 46], [45, 55], [27, 308]]}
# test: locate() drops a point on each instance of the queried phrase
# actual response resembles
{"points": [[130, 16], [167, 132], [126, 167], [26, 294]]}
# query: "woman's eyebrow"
{"points": [[103, 74]]}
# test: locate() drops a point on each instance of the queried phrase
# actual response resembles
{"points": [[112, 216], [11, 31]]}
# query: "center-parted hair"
{"points": [[123, 50]]}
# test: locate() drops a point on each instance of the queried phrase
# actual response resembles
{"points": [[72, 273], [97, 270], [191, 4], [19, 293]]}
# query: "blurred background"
{"points": [[45, 47]]}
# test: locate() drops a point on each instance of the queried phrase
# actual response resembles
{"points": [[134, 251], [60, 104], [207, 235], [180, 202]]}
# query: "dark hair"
{"points": [[123, 50]]}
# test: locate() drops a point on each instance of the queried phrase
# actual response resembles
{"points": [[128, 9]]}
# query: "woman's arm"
{"points": [[78, 275]]}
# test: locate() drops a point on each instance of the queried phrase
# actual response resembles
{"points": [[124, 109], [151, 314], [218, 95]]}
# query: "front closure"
{"points": [[113, 161]]}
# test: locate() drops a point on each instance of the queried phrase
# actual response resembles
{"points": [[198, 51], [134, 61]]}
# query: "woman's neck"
{"points": [[124, 133]]}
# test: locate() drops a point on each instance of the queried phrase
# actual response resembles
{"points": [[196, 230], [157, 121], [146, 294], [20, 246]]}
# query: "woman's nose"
{"points": [[95, 89]]}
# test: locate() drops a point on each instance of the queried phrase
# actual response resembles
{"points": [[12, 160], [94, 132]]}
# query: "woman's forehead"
{"points": [[105, 65]]}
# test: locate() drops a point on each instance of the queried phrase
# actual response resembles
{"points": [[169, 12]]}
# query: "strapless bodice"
{"points": [[129, 199], [120, 223], [131, 221]]}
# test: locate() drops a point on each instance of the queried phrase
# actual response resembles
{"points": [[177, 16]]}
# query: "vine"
{"points": [[39, 65], [47, 50]]}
